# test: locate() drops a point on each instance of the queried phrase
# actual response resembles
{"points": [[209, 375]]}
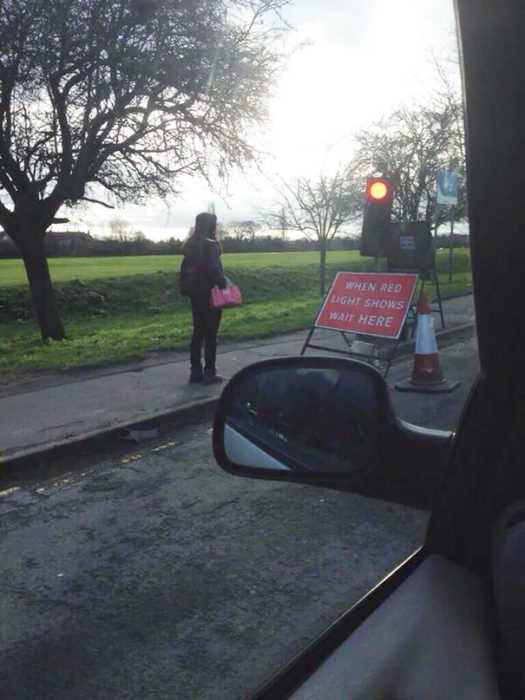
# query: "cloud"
{"points": [[339, 21], [364, 58]]}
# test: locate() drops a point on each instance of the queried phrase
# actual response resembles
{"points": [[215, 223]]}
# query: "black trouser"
{"points": [[205, 326]]}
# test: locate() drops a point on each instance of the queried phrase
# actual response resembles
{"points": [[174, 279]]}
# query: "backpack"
{"points": [[190, 277]]}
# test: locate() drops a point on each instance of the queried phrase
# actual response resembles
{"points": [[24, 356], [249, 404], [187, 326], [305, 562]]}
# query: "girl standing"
{"points": [[202, 269]]}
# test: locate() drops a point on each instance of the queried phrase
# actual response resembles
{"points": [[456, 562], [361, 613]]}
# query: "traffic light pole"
{"points": [[424, 275], [432, 266], [451, 242]]}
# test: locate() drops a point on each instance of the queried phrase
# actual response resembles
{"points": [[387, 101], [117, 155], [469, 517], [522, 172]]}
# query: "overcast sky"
{"points": [[362, 59]]}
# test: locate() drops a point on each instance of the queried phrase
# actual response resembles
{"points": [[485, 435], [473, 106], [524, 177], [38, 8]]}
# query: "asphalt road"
{"points": [[156, 575]]}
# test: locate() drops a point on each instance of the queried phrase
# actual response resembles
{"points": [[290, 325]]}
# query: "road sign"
{"points": [[447, 187], [409, 245], [368, 303]]}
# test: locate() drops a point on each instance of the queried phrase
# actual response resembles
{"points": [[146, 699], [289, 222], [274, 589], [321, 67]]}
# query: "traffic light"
{"points": [[375, 232]]}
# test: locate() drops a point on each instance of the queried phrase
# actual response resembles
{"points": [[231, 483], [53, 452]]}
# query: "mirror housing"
{"points": [[327, 422]]}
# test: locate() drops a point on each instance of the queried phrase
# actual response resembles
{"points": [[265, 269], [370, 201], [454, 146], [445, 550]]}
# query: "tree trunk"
{"points": [[37, 270], [322, 268]]}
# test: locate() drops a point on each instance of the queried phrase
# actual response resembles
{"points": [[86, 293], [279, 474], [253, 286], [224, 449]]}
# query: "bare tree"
{"points": [[283, 223], [411, 145], [119, 229], [448, 94], [243, 229], [115, 98], [319, 208]]}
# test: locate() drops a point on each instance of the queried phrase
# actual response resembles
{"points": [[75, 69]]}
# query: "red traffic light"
{"points": [[375, 230], [378, 189]]}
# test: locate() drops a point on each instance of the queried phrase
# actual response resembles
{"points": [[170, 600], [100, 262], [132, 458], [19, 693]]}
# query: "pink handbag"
{"points": [[225, 298]]}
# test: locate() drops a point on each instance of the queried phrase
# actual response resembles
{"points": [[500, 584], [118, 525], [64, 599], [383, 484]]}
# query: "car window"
{"points": [[132, 566], [398, 112]]}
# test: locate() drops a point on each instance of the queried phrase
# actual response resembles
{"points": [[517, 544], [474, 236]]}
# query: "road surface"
{"points": [[153, 574]]}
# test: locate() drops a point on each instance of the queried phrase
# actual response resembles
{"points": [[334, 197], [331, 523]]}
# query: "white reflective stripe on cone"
{"points": [[425, 338]]}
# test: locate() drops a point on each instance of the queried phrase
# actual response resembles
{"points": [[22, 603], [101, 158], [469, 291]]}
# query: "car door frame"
{"points": [[482, 474]]}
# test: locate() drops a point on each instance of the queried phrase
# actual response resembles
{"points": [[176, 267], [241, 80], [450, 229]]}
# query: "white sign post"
{"points": [[447, 194]]}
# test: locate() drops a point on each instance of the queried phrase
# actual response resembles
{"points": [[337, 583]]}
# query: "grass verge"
{"points": [[121, 317]]}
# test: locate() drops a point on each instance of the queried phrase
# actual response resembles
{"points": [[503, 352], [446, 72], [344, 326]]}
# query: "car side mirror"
{"points": [[325, 421]]}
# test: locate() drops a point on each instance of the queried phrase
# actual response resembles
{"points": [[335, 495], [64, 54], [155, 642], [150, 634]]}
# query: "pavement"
{"points": [[56, 409]]}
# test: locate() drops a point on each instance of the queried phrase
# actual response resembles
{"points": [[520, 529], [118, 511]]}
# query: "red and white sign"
{"points": [[370, 303]]}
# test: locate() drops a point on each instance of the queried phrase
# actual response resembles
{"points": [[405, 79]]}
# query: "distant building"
{"points": [[68, 242]]}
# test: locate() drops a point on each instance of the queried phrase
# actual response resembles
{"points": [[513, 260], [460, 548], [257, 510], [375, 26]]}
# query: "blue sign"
{"points": [[447, 187]]}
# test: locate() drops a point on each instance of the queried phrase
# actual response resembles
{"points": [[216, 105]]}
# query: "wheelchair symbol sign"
{"points": [[447, 187]]}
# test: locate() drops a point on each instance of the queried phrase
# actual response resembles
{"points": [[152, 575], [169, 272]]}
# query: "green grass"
{"points": [[123, 308], [12, 272]]}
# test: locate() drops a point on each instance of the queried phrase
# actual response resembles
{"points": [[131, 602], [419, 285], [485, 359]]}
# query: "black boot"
{"points": [[196, 375], [211, 377]]}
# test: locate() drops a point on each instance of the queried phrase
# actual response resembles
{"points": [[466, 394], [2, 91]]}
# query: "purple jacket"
{"points": [[212, 263], [209, 268]]}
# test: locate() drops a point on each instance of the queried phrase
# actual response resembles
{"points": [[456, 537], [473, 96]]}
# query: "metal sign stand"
{"points": [[382, 361], [423, 276], [426, 273], [384, 347], [439, 310]]}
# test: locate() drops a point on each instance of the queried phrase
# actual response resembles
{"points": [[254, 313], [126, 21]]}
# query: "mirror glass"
{"points": [[312, 419]]}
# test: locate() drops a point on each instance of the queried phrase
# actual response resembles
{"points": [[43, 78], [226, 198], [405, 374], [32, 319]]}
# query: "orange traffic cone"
{"points": [[427, 376]]}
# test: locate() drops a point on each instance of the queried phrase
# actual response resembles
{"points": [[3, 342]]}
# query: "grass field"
{"points": [[122, 308], [12, 272]]}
